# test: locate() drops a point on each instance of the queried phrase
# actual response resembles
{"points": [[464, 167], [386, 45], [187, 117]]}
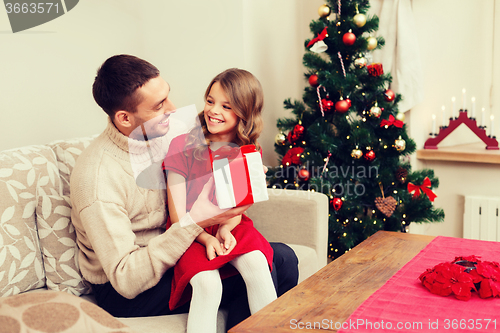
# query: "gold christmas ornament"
{"points": [[372, 43], [356, 154], [324, 11], [400, 144], [280, 138], [359, 20], [400, 116], [360, 62], [375, 111]]}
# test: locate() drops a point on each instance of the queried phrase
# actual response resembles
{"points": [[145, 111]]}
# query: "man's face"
{"points": [[154, 110]]}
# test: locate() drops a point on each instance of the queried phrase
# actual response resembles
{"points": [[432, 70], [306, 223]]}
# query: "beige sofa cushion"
{"points": [[25, 173], [52, 311], [67, 151], [58, 243]]}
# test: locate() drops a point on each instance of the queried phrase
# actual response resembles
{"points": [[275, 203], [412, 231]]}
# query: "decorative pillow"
{"points": [[58, 243], [67, 151], [52, 311], [25, 173]]}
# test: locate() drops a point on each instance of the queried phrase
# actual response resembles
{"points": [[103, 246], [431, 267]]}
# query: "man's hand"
{"points": [[226, 239], [206, 214], [214, 248]]}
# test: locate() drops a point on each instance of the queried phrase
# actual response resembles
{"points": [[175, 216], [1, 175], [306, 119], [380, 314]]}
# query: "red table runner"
{"points": [[403, 304]]}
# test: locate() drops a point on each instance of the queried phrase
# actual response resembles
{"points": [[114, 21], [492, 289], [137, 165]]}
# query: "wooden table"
{"points": [[335, 291]]}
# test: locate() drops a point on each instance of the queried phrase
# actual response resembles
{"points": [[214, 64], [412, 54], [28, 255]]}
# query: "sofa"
{"points": [[41, 288]]}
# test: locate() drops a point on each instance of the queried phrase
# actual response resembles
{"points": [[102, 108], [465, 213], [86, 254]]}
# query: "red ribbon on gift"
{"points": [[321, 36], [224, 152], [425, 187], [375, 69], [391, 121]]}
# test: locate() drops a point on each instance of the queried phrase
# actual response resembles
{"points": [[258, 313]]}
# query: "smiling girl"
{"points": [[231, 116]]}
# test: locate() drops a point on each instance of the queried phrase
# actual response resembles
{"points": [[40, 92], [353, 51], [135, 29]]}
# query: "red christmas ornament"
{"points": [[375, 69], [336, 203], [298, 130], [303, 175], [296, 134], [370, 155], [313, 80], [342, 105], [349, 38], [348, 102], [327, 104], [292, 156], [389, 95]]}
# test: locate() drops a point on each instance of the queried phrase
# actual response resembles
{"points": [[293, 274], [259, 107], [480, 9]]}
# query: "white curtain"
{"points": [[401, 54]]}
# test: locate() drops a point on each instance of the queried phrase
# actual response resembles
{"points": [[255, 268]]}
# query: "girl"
{"points": [[232, 114]]}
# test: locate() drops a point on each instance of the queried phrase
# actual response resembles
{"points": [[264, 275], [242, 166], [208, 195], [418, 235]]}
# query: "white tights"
{"points": [[207, 291]]}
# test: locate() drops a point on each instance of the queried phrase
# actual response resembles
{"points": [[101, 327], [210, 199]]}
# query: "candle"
{"points": [[453, 107], [464, 103], [434, 124], [473, 100], [491, 129], [482, 117], [444, 116]]}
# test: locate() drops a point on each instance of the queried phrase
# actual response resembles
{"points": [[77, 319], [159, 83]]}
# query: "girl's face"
{"points": [[220, 118]]}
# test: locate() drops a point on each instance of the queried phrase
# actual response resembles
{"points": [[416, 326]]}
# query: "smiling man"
{"points": [[125, 252]]}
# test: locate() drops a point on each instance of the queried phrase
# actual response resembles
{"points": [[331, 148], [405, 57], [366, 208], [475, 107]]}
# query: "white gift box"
{"points": [[239, 176]]}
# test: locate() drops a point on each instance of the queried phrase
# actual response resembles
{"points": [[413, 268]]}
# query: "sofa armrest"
{"points": [[294, 217]]}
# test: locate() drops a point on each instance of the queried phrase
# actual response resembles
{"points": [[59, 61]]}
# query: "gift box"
{"points": [[239, 176]]}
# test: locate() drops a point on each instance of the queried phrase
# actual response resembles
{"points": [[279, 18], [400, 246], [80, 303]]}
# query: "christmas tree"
{"points": [[347, 138]]}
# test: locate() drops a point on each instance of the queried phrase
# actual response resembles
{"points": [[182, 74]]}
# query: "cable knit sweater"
{"points": [[120, 226]]}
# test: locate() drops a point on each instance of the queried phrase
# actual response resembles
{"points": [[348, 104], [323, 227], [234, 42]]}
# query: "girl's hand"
{"points": [[226, 239], [214, 248]]}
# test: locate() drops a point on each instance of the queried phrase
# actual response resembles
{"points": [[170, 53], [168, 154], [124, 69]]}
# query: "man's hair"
{"points": [[115, 85]]}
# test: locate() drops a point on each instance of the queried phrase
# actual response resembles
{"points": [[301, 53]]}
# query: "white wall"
{"points": [[459, 42], [46, 72]]}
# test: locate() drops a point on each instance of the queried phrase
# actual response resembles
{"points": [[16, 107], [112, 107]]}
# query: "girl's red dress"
{"points": [[197, 172]]}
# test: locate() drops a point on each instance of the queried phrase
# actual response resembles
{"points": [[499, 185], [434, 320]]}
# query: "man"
{"points": [[125, 252]]}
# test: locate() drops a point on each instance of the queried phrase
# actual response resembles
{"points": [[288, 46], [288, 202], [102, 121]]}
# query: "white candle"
{"points": [[473, 100], [491, 129], [444, 116], [482, 117], [434, 124], [464, 103], [453, 107]]}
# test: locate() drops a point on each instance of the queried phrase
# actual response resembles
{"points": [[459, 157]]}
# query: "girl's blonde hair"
{"points": [[247, 100]]}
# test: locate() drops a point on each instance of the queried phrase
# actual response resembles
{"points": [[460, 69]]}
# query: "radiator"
{"points": [[481, 218]]}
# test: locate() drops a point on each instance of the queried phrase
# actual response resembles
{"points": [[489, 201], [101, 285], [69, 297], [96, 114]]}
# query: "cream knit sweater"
{"points": [[120, 226]]}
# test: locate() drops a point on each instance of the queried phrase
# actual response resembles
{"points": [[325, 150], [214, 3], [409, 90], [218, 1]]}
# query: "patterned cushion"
{"points": [[52, 311], [25, 173], [67, 151], [58, 244]]}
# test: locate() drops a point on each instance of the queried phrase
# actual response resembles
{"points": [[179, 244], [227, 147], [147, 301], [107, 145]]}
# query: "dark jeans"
{"points": [[154, 301]]}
